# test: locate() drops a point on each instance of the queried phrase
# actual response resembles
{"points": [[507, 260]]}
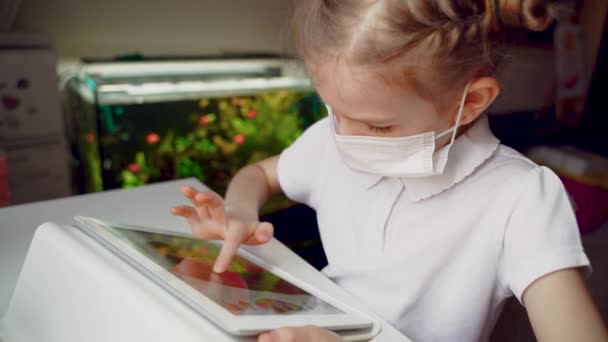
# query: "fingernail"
{"points": [[218, 268]]}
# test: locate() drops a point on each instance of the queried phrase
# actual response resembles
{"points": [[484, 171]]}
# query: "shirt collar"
{"points": [[469, 151]]}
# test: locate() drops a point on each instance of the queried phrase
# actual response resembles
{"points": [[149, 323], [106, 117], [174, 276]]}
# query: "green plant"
{"points": [[222, 136]]}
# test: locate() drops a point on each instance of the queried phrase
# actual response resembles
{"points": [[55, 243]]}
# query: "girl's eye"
{"points": [[380, 130]]}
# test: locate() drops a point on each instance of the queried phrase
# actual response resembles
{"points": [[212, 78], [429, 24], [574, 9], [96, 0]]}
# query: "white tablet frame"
{"points": [[351, 319]]}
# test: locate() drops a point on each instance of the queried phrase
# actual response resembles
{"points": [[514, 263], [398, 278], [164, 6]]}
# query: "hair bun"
{"points": [[535, 15]]}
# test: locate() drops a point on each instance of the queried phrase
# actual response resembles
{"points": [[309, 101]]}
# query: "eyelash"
{"points": [[380, 130]]}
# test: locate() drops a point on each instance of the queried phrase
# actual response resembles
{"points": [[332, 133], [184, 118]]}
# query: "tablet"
{"points": [[250, 297]]}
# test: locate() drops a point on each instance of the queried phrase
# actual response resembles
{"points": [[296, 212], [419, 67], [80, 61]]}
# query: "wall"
{"points": [[526, 78], [593, 19], [157, 27]]}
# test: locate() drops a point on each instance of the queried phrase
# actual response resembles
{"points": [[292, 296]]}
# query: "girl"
{"points": [[423, 214]]}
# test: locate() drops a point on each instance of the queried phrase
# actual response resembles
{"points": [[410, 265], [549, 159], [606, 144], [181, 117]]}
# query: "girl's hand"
{"points": [[302, 334], [210, 220]]}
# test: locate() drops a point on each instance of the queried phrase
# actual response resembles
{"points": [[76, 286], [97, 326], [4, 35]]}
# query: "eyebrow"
{"points": [[368, 121]]}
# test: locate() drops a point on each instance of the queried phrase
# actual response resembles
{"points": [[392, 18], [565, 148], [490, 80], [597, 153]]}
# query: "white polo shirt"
{"points": [[436, 256]]}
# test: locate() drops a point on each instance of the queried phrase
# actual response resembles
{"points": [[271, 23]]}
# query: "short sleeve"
{"points": [[300, 166], [542, 235]]}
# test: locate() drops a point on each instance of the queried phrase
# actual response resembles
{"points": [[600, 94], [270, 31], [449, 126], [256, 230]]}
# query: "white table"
{"points": [[147, 206]]}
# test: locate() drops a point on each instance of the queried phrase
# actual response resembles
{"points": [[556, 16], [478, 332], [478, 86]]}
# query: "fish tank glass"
{"points": [[134, 123]]}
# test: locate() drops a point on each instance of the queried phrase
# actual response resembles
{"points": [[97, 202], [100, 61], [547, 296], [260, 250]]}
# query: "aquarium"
{"points": [[134, 123]]}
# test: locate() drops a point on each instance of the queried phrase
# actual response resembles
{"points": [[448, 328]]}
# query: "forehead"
{"points": [[364, 91], [341, 79]]}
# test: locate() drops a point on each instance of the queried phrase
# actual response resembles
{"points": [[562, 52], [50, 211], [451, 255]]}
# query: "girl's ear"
{"points": [[481, 94]]}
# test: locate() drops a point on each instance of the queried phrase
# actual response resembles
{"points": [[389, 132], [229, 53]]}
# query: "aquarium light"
{"points": [[183, 67], [197, 86], [164, 91]]}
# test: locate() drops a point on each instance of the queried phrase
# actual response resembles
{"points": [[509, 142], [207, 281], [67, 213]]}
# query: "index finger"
{"points": [[232, 240]]}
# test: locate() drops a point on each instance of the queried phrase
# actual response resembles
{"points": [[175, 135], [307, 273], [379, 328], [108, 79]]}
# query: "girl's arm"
{"points": [[252, 186], [560, 308]]}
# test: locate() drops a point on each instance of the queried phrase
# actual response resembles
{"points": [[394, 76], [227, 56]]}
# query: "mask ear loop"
{"points": [[332, 119], [459, 116]]}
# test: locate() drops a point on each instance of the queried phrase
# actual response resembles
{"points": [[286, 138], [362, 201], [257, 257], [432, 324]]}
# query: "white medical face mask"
{"points": [[410, 156]]}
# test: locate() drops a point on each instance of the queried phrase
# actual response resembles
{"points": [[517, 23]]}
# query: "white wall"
{"points": [[157, 27]]}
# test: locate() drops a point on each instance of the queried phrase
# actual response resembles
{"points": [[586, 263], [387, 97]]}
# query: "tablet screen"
{"points": [[245, 288]]}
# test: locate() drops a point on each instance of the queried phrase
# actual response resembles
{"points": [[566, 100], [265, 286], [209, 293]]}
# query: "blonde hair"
{"points": [[452, 39]]}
